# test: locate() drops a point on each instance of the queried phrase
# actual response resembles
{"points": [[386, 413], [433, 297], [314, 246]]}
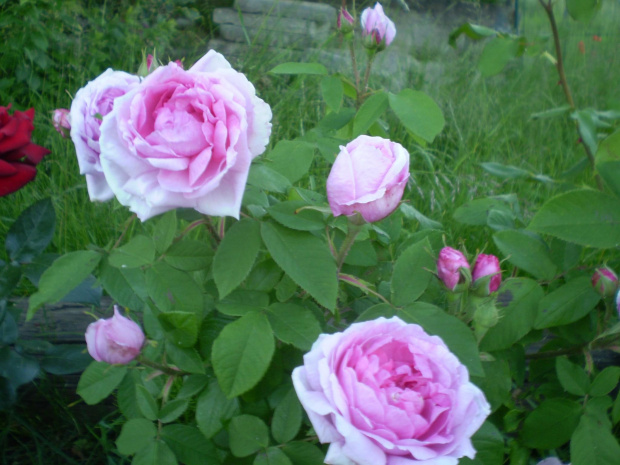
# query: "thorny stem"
{"points": [[362, 94], [163, 368], [554, 353], [125, 229], [355, 70], [548, 7], [212, 231], [347, 243]]}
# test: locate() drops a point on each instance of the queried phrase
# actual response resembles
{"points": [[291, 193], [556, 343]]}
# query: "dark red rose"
{"points": [[18, 155]]}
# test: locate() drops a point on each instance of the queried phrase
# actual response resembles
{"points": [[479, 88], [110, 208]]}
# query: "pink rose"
{"points": [[369, 176], [488, 265], [60, 120], [376, 25], [448, 264], [384, 392], [114, 340], [605, 281], [91, 103], [185, 139]]}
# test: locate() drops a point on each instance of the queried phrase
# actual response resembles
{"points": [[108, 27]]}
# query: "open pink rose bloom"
{"points": [[185, 139], [384, 392]]}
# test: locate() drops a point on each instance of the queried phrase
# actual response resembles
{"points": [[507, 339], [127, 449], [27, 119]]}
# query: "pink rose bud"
{"points": [[117, 340], [149, 62], [345, 21], [60, 119], [605, 281], [179, 63], [368, 177], [487, 273], [618, 303], [386, 392], [377, 29], [449, 267]]}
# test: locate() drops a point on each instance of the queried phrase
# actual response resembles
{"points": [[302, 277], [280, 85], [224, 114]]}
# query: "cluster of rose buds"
{"points": [[454, 271], [378, 31]]}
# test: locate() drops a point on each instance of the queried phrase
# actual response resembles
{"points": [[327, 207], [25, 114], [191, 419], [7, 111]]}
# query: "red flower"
{"points": [[597, 39], [18, 155]]}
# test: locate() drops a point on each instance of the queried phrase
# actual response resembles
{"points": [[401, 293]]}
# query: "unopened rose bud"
{"points": [[618, 303], [377, 29], [345, 21], [60, 119], [452, 268], [116, 340], [605, 281], [487, 275]]}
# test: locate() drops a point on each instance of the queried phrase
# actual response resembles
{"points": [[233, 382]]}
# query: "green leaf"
{"points": [[189, 445], [135, 435], [10, 275], [418, 112], [593, 444], [32, 232], [247, 434], [411, 274], [473, 31], [155, 453], [236, 255], [264, 276], [567, 304], [332, 91], [243, 301], [504, 171], [146, 403], [517, 302], [299, 68], [291, 158], [588, 128], [292, 215], [615, 412], [242, 352], [496, 383], [16, 368], [362, 253], [173, 410], [127, 397], [189, 255], [272, 456], [586, 217], [264, 177], [552, 113], [181, 327], [8, 329], [99, 380], [186, 359], [127, 287], [294, 324], [165, 230], [192, 385], [551, 424], [476, 212], [138, 252], [67, 272], [610, 172], [496, 55], [572, 377], [64, 359], [214, 410], [457, 336], [303, 453], [489, 445], [369, 112], [583, 10], [605, 381], [172, 289], [526, 251], [306, 259], [286, 418]]}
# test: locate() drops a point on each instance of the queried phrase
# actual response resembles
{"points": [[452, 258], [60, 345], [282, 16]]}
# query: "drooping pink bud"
{"points": [[116, 340], [60, 119], [605, 281], [487, 274], [345, 21], [449, 265], [377, 29]]}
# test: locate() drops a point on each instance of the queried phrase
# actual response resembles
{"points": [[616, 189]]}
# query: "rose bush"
{"points": [[18, 155], [185, 139], [369, 177], [114, 340], [90, 105], [385, 392]]}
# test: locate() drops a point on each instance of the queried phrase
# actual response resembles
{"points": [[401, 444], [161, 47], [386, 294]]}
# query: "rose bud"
{"points": [[618, 303], [60, 119], [605, 281], [377, 29], [345, 21], [487, 275], [114, 340], [369, 177], [452, 268], [385, 392]]}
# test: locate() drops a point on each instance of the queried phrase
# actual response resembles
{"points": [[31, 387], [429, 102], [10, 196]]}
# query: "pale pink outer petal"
{"points": [[91, 337], [212, 61]]}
